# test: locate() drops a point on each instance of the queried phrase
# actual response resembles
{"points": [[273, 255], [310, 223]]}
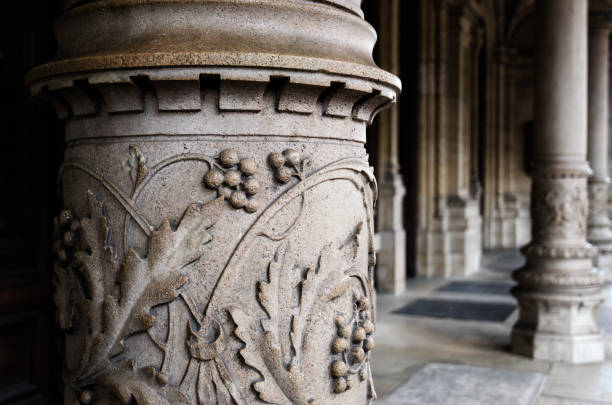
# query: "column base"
{"points": [[560, 325], [574, 349], [453, 247]]}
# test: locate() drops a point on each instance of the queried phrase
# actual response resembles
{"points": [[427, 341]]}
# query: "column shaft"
{"points": [[599, 55], [391, 264], [558, 289], [599, 232]]}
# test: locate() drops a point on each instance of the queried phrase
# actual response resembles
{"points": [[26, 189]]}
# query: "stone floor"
{"points": [[434, 346]]}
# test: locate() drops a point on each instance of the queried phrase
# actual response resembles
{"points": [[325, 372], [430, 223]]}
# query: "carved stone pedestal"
{"points": [[216, 245], [566, 332]]}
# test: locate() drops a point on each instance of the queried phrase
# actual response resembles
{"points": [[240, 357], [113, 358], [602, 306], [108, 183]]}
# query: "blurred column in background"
{"points": [[599, 232], [559, 291], [391, 263]]}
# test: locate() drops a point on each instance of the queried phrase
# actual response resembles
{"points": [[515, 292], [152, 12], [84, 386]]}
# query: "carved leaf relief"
{"points": [[136, 164], [115, 302], [103, 300], [277, 345]]}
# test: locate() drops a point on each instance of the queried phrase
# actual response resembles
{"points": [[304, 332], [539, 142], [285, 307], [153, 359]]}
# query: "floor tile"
{"points": [[442, 384]]}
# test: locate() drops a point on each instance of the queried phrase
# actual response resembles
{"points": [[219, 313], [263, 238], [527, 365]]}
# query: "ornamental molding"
{"points": [[236, 90], [542, 251], [528, 278]]}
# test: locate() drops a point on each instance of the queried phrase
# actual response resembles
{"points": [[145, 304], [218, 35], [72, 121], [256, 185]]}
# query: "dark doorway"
{"points": [[31, 144]]}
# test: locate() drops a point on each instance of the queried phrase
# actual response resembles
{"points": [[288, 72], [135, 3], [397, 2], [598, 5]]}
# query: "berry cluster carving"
{"points": [[287, 165], [280, 353], [353, 345], [234, 179]]}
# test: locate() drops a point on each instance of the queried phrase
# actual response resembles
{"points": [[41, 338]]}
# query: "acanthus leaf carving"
{"points": [[116, 302], [277, 345], [154, 280]]}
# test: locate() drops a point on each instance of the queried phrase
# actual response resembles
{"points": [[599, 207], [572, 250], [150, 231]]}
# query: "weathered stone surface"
{"points": [[217, 240]]}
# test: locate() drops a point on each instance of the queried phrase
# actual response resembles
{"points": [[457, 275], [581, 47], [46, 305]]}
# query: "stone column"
{"points": [[391, 265], [599, 232], [559, 291], [609, 133], [216, 245], [462, 224]]}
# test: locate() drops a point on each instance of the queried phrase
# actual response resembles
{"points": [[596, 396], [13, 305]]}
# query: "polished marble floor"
{"points": [[420, 342]]}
